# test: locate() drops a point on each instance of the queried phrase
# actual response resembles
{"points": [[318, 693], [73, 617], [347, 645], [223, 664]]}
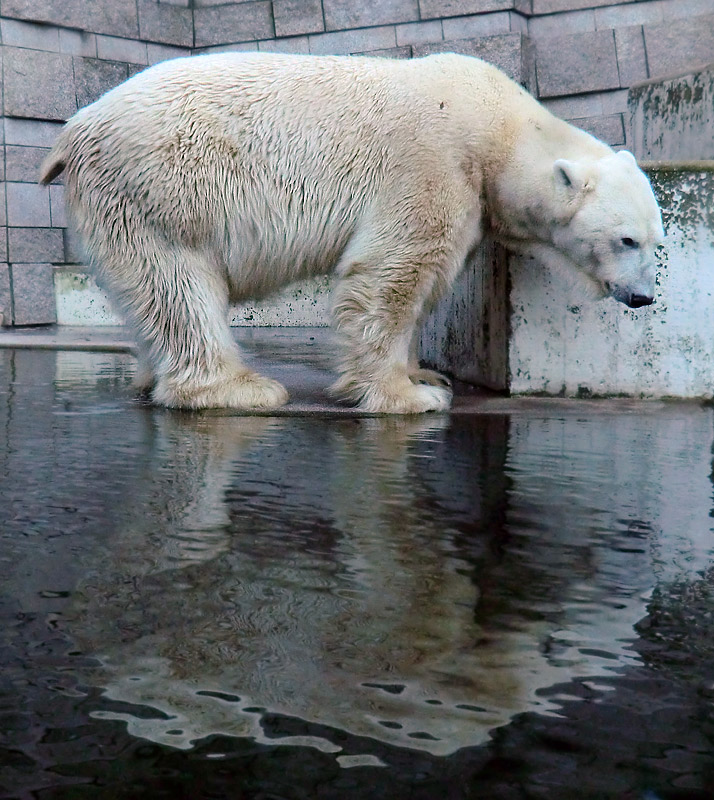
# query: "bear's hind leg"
{"points": [[178, 302]]}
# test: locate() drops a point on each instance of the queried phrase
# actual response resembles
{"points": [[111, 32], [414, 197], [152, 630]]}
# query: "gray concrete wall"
{"points": [[578, 56]]}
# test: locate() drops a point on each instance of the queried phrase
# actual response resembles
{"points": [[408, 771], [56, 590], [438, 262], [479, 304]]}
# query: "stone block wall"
{"points": [[578, 56]]}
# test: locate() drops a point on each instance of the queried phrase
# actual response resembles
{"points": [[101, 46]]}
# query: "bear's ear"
{"points": [[570, 175]]}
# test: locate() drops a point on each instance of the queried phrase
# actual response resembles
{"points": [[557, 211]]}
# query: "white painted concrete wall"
{"points": [[81, 302], [560, 344]]}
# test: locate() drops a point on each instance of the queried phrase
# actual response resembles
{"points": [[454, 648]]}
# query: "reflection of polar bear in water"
{"points": [[224, 177], [307, 570]]}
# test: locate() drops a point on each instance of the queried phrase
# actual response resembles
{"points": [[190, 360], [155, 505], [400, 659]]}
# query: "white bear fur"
{"points": [[218, 178]]}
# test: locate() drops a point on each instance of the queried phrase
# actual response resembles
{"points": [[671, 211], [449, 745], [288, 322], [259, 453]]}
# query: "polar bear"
{"points": [[218, 178]]}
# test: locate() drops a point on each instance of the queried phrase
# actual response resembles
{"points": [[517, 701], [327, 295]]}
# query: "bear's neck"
{"points": [[520, 190]]}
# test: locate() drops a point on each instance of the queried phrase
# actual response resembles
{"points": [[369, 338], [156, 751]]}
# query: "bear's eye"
{"points": [[630, 242]]}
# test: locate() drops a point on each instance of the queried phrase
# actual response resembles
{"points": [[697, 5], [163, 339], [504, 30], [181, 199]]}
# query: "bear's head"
{"points": [[608, 225]]}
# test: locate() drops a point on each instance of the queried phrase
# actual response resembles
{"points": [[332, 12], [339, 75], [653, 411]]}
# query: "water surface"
{"points": [[202, 605]]}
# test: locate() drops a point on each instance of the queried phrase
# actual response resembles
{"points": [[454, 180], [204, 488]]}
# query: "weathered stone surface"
{"points": [[16, 33], [168, 24], [58, 217], [346, 14], [163, 52], [510, 52], [118, 17], [31, 132], [35, 245], [359, 41], [3, 245], [78, 43], [674, 119], [609, 129], [631, 57], [38, 84], [28, 205], [22, 164], [233, 23], [419, 32], [5, 297], [478, 25], [94, 77], [584, 62], [550, 27], [551, 6], [561, 343], [457, 8], [113, 48], [296, 17], [33, 294], [389, 52], [679, 45], [295, 44]]}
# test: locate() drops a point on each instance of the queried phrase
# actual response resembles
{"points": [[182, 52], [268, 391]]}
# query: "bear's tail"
{"points": [[56, 159]]}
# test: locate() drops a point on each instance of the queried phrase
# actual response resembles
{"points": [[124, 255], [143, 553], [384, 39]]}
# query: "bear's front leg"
{"points": [[376, 313]]}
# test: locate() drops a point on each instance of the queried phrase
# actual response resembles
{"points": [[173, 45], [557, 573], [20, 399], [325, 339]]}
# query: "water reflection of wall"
{"points": [[413, 581]]}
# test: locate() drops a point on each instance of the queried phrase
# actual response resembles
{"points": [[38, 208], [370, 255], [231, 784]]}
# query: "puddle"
{"points": [[476, 606]]}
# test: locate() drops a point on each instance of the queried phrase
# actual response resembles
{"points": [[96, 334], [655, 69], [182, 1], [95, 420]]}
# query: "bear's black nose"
{"points": [[639, 300]]}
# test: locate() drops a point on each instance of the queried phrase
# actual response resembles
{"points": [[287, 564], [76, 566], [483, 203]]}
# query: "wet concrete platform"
{"points": [[302, 359]]}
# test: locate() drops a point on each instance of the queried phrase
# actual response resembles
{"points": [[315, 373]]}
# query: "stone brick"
{"points": [[679, 45], [561, 24], [580, 63], [609, 129], [3, 244], [619, 16], [167, 24], [163, 52], [31, 132], [35, 245], [113, 48], [552, 6], [390, 52], [571, 107], [295, 44], [233, 23], [685, 9], [346, 14], [118, 17], [33, 294], [614, 102], [93, 77], [240, 47], [631, 58], [28, 205], [295, 17], [359, 41], [185, 3], [478, 25], [419, 32], [509, 52], [27, 34], [78, 43], [22, 164], [3, 204], [431, 9], [5, 297], [57, 207], [2, 164], [38, 84]]}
